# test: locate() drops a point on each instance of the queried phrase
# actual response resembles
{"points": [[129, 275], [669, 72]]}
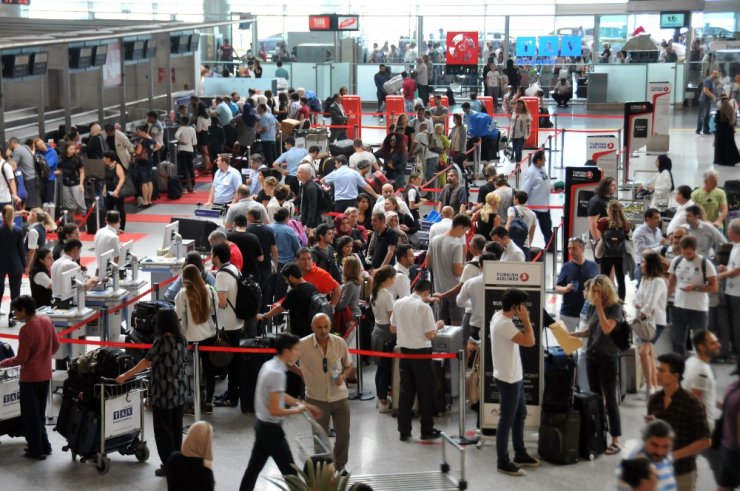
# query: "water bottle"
{"points": [[334, 374]]}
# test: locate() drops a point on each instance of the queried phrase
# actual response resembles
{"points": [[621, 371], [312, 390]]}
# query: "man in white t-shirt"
{"points": [[227, 287], [512, 252], [362, 155], [731, 273], [692, 279], [444, 225], [506, 338], [698, 377], [8, 190], [530, 219]]}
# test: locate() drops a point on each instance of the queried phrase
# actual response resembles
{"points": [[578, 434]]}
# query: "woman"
{"points": [[72, 173], [115, 179], [257, 69], [725, 148], [190, 468], [144, 154], [597, 205], [662, 184], [187, 140], [458, 139], [486, 218], [202, 124], [168, 386], [344, 229], [40, 277], [13, 259], [512, 74], [344, 248], [394, 154], [365, 210], [348, 308], [280, 200], [282, 106], [39, 224], [352, 215], [381, 302], [638, 475], [270, 102], [520, 128], [650, 302], [606, 53], [196, 260], [406, 222], [507, 102], [268, 188], [195, 308], [602, 355], [391, 219], [615, 230]]}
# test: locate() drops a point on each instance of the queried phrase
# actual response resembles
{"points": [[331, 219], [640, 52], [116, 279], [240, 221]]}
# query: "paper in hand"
{"points": [[565, 340]]}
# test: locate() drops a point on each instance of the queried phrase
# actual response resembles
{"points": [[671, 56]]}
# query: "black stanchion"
{"points": [[360, 394]]}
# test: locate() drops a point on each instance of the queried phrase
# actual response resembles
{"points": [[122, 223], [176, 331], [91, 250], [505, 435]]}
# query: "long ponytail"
{"points": [[8, 216]]}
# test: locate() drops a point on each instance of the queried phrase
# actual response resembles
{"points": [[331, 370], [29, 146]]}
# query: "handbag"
{"points": [[472, 382], [643, 328], [221, 359]]}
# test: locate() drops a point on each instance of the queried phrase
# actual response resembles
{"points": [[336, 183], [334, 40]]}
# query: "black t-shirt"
{"points": [[262, 197], [188, 473], [484, 190], [267, 239], [250, 247], [298, 303], [70, 167], [382, 242], [597, 206]]}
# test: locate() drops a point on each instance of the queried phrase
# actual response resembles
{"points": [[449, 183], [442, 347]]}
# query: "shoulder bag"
{"points": [[472, 383], [643, 328], [221, 359]]}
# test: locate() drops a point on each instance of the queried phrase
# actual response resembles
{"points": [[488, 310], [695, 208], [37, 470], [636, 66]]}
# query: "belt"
{"points": [[419, 351]]}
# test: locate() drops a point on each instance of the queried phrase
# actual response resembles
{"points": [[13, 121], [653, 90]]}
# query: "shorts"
{"points": [[728, 474], [144, 169], [449, 311]]}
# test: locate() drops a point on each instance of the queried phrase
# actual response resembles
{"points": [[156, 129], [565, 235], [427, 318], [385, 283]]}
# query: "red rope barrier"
{"points": [[79, 325]]}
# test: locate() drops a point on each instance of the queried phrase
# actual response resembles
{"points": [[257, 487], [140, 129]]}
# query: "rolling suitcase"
{"points": [[145, 314], [559, 437], [593, 425], [80, 426], [165, 170], [11, 423], [560, 376]]}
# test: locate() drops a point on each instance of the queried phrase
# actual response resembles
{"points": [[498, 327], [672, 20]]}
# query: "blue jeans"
{"points": [[682, 321], [702, 123], [513, 413], [518, 145]]}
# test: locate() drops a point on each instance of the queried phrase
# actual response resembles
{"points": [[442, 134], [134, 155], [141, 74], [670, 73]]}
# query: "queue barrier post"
{"points": [[555, 230], [196, 380], [155, 286], [461, 439], [555, 117], [51, 420], [360, 395], [562, 147]]}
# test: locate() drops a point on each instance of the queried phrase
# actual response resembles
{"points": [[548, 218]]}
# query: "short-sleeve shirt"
{"points": [[413, 318], [381, 306], [225, 185], [711, 201], [384, 240], [599, 343], [226, 283], [698, 375], [272, 378], [24, 158], [708, 83], [527, 215], [266, 238], [70, 168], [597, 206], [268, 121], [732, 286], [572, 302], [7, 176], [298, 303], [319, 384], [507, 362], [690, 273], [321, 279], [169, 383], [446, 251], [251, 249]]}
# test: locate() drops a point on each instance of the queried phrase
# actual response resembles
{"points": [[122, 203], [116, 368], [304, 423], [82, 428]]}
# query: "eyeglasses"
{"points": [[325, 364]]}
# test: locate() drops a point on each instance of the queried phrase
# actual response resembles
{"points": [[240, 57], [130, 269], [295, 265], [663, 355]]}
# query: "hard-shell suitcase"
{"points": [[342, 147], [593, 425], [560, 373], [165, 170], [145, 315], [113, 362], [559, 436]]}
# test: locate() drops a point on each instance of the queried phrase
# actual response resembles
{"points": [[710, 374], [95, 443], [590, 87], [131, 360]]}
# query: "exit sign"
{"points": [[319, 22]]}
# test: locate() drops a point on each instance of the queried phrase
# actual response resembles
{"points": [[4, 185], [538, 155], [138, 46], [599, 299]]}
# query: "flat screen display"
{"points": [[673, 20]]}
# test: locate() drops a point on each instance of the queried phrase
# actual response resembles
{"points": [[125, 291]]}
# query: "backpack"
{"points": [[300, 231], [326, 198], [327, 263], [614, 242], [41, 166], [518, 231], [320, 305], [327, 104], [703, 267], [248, 295]]}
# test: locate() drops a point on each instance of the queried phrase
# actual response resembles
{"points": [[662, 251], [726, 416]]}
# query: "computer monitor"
{"points": [[126, 251], [103, 261], [68, 283], [172, 237]]}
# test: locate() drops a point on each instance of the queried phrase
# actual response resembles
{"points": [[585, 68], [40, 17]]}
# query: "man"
{"points": [[380, 78], [68, 261], [439, 112], [26, 163], [402, 281], [728, 475], [267, 128], [243, 205], [506, 338], [387, 190], [119, 142], [287, 243], [646, 238], [408, 88], [527, 215], [472, 298], [322, 251], [8, 187], [96, 145], [338, 130], [320, 278], [442, 226], [563, 91], [268, 244], [362, 155], [297, 302], [412, 321], [287, 163], [218, 236], [252, 253], [657, 442], [410, 55], [490, 174], [685, 413], [707, 99], [222, 111], [708, 238], [226, 181], [270, 409], [422, 81], [346, 184], [512, 252], [156, 131], [281, 72], [493, 84], [422, 143], [308, 197], [37, 343], [325, 365], [692, 278], [506, 196], [385, 243], [571, 281], [699, 378], [712, 199], [682, 196], [730, 273], [226, 288], [445, 259], [454, 194], [537, 185], [106, 238]]}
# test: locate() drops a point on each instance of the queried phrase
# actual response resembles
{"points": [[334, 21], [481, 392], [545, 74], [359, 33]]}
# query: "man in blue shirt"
{"points": [[657, 447], [226, 181], [571, 281], [267, 129], [347, 183], [223, 111], [537, 186], [288, 244], [707, 98], [288, 163]]}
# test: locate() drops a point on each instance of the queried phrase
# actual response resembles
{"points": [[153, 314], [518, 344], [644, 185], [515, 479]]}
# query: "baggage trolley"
{"points": [[316, 446], [11, 423]]}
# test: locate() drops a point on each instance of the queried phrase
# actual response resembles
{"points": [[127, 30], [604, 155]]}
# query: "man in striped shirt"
{"points": [[657, 445]]}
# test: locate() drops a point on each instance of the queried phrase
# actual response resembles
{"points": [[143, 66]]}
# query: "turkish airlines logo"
{"points": [[463, 47], [589, 175], [524, 277]]}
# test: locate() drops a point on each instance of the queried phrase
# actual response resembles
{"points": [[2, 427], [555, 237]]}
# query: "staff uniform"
{"points": [[537, 185], [58, 268], [225, 184]]}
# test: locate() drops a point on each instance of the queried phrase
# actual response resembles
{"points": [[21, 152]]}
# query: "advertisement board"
{"points": [[603, 149], [659, 94], [548, 46], [637, 121], [123, 414], [571, 46], [10, 395], [580, 186], [462, 48]]}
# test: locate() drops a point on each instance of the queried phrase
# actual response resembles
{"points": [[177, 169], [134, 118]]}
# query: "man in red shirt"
{"points": [[321, 279], [219, 237], [37, 342], [408, 88]]}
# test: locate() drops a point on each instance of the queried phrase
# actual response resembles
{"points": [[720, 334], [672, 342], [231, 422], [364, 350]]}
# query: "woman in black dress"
{"points": [[725, 148], [40, 277]]}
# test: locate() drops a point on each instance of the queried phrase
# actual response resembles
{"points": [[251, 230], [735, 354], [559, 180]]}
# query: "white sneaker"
{"points": [[383, 407]]}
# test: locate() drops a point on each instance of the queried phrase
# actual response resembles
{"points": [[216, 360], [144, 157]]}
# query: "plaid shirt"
{"points": [[688, 419]]}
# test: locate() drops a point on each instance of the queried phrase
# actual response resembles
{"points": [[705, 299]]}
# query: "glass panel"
{"points": [[304, 75], [626, 82], [612, 30], [366, 82], [339, 77], [679, 90]]}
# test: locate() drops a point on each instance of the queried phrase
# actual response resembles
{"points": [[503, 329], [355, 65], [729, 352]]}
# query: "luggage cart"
{"points": [[11, 423]]}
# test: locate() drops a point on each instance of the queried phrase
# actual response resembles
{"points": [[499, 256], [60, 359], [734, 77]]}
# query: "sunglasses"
{"points": [[325, 364]]}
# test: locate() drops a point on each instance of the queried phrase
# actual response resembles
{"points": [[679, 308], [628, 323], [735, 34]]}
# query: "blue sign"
{"points": [[571, 46], [525, 46], [548, 47]]}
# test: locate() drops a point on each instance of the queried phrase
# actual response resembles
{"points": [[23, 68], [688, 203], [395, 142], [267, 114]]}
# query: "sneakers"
{"points": [[510, 469], [224, 403], [431, 436], [383, 407], [405, 437], [160, 472], [526, 461]]}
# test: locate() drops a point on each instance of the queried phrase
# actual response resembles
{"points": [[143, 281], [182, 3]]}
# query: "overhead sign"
{"points": [[548, 46], [319, 22], [462, 48], [571, 46], [348, 23], [674, 20], [603, 149], [525, 46], [498, 277]]}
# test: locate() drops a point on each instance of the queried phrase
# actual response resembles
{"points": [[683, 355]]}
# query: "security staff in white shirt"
{"points": [[537, 185], [402, 281], [67, 262], [413, 323], [106, 238], [512, 252], [731, 273]]}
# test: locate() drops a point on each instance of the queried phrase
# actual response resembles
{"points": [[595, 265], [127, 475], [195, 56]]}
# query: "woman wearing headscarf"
{"points": [[662, 184], [190, 469]]}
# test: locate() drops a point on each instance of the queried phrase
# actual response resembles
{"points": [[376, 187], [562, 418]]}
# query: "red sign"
{"points": [[462, 48], [348, 23], [319, 23]]}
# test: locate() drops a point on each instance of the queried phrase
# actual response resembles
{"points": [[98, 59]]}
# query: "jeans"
{"points": [[113, 203], [682, 321], [382, 340], [341, 205], [209, 371], [167, 430], [702, 123], [518, 145], [33, 406], [424, 94], [430, 168], [513, 409], [603, 373], [417, 380], [269, 150], [186, 169], [380, 94], [269, 441], [338, 412], [545, 221], [607, 263], [234, 366]]}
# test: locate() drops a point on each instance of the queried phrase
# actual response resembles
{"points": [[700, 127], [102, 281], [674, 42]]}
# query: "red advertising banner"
{"points": [[319, 23], [462, 48]]}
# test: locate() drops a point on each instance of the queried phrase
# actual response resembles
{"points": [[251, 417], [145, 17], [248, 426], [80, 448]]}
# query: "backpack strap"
{"points": [[238, 280]]}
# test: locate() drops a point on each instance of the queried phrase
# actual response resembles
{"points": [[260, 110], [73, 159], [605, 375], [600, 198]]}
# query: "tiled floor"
{"points": [[375, 448]]}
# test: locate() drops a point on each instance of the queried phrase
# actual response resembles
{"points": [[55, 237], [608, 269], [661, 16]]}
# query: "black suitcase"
{"points": [[174, 188], [250, 368], [137, 337], [342, 147], [95, 220], [80, 426], [145, 315], [367, 324], [559, 437], [593, 425], [560, 376], [81, 388], [113, 362]]}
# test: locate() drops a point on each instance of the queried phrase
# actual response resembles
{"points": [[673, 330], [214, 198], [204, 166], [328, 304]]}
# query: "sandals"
{"points": [[613, 449]]}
